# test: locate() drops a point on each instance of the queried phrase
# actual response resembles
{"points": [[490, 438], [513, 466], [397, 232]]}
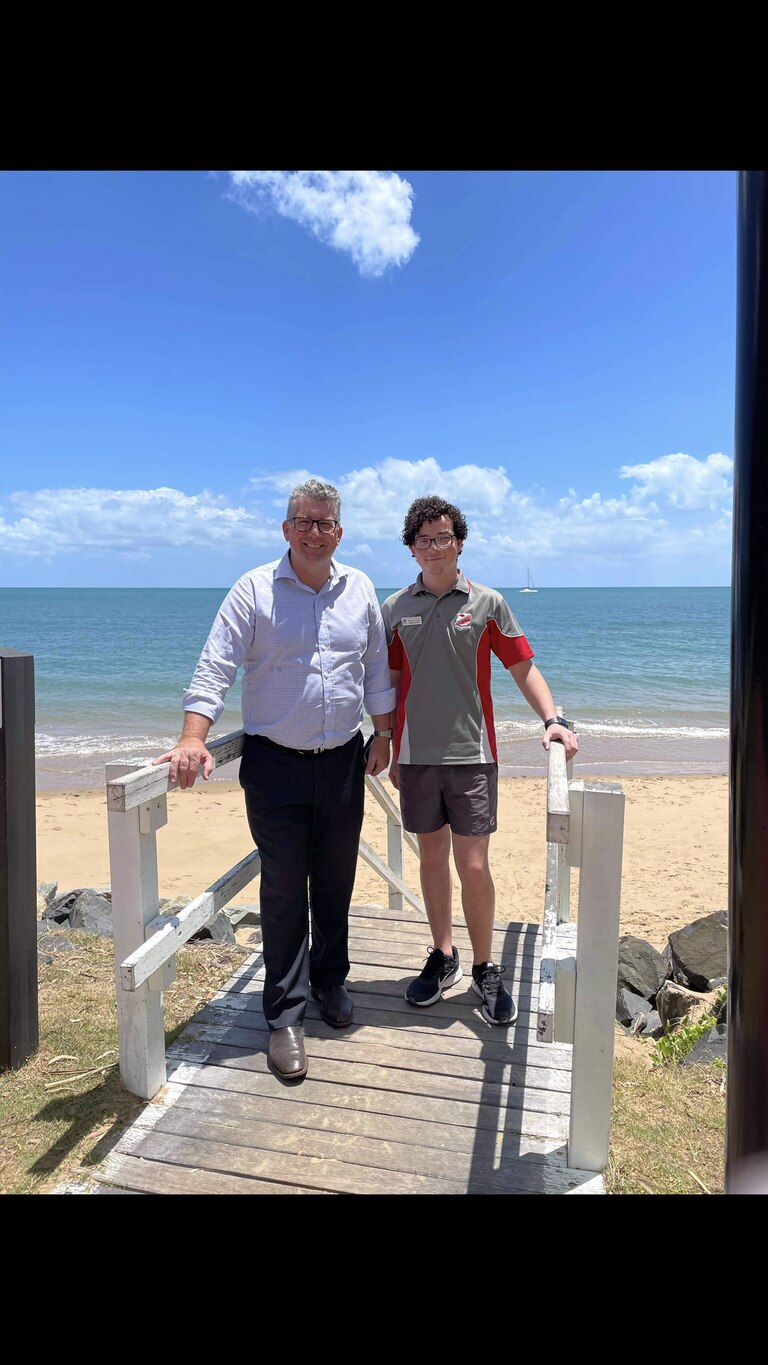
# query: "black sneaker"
{"points": [[498, 1007], [438, 973]]}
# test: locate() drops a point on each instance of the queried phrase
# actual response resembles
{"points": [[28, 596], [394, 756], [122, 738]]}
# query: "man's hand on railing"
{"points": [[186, 758], [564, 736]]}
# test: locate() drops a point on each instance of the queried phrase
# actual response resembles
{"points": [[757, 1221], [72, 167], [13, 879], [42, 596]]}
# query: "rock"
{"points": [[629, 1005], [678, 1005], [650, 1025], [219, 929], [91, 913], [242, 915], [699, 952], [50, 942], [60, 906], [710, 1047], [642, 969], [173, 907], [45, 894]]}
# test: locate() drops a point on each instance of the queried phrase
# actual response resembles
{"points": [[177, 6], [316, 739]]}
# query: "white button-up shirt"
{"points": [[312, 661]]}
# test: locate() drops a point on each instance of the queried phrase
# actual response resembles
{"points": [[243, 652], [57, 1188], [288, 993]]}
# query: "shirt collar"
{"points": [[285, 569], [461, 585]]}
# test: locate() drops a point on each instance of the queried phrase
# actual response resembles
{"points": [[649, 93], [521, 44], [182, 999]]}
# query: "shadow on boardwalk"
{"points": [[404, 1101]]}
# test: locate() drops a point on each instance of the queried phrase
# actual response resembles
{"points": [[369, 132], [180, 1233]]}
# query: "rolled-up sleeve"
{"points": [[378, 695], [230, 638]]}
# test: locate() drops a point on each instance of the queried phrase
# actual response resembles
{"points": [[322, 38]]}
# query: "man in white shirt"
{"points": [[308, 633]]}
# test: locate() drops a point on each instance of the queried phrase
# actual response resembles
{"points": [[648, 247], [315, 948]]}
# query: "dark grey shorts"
{"points": [[462, 795]]}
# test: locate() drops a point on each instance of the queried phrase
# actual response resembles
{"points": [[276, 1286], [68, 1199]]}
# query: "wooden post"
{"points": [[19, 1036], [135, 902], [395, 860], [746, 1128], [596, 965]]}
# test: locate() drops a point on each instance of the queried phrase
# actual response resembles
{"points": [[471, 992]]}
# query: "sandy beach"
{"points": [[675, 847]]}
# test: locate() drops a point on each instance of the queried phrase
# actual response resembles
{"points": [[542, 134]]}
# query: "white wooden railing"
{"points": [[579, 961], [146, 942]]}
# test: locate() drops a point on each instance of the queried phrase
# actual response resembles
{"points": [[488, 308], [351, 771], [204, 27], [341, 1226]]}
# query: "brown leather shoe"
{"points": [[286, 1052], [335, 1005]]}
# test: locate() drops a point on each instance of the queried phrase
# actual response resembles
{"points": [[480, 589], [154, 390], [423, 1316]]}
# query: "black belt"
{"points": [[287, 748]]}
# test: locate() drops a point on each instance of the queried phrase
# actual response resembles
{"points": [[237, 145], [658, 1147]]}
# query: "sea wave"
{"points": [[512, 731]]}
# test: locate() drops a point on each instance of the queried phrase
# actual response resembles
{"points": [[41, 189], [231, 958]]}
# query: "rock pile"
{"points": [[658, 992], [89, 909]]}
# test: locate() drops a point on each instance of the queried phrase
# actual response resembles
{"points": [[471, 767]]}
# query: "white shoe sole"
{"points": [[502, 1023]]}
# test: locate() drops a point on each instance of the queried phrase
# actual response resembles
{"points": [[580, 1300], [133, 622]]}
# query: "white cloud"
{"points": [[570, 538], [131, 522], [684, 482], [363, 213]]}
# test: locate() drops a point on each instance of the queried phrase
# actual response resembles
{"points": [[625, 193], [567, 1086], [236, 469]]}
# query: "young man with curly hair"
{"points": [[441, 632]]}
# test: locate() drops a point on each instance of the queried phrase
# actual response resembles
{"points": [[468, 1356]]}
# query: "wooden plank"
{"points": [[351, 1163], [503, 1093], [135, 903], [170, 932], [558, 809], [373, 1053], [144, 783], [334, 1177], [152, 1177], [545, 1027], [196, 1068], [501, 1044], [597, 957], [339, 1119]]}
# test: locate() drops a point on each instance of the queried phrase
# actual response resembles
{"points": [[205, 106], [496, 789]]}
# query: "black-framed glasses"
{"points": [[324, 524], [442, 541]]}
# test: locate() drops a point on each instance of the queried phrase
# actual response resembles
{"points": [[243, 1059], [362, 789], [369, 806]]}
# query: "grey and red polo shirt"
{"points": [[442, 646]]}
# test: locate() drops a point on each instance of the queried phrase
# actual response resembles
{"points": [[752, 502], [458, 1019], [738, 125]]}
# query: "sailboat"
{"points": [[529, 585]]}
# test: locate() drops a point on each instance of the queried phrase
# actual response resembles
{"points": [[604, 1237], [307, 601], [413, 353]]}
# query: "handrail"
{"points": [[146, 942], [577, 990]]}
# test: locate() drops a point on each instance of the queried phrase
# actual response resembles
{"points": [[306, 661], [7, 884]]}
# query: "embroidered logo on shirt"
{"points": [[463, 621], [410, 621]]}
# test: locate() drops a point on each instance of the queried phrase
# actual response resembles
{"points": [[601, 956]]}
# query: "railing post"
{"points": [[597, 954], [135, 901], [395, 860], [19, 1034]]}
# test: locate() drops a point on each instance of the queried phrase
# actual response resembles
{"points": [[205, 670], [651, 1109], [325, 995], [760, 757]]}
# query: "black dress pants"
{"points": [[305, 812]]}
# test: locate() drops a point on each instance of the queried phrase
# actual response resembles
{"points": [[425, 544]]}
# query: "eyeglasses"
{"points": [[324, 525], [442, 541]]}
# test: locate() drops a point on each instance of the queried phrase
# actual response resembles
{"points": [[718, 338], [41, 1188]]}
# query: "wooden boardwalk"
{"points": [[405, 1101]]}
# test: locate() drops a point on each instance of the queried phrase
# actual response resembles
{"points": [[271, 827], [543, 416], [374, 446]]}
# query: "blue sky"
{"points": [[552, 351]]}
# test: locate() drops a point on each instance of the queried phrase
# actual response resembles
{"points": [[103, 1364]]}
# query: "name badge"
{"points": [[410, 621]]}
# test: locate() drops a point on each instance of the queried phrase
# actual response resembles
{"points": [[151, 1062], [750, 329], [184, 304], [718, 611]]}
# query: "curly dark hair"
{"points": [[432, 508]]}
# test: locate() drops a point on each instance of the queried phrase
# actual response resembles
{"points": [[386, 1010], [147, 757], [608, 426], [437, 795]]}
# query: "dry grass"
{"points": [[61, 1112], [667, 1127]]}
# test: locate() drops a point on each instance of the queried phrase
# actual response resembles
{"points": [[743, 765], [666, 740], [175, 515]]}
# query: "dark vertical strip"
{"points": [[18, 880], [747, 1103]]}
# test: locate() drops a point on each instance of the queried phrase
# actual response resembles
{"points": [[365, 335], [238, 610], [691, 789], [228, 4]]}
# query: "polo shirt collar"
{"points": [[461, 585]]}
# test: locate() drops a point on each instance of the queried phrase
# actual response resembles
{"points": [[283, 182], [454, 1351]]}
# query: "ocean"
{"points": [[643, 673]]}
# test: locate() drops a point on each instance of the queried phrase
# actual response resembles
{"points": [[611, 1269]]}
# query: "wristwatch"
{"points": [[382, 734], [557, 720]]}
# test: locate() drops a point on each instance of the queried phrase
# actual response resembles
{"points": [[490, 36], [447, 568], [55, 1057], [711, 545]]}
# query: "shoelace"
{"points": [[434, 958], [491, 978]]}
